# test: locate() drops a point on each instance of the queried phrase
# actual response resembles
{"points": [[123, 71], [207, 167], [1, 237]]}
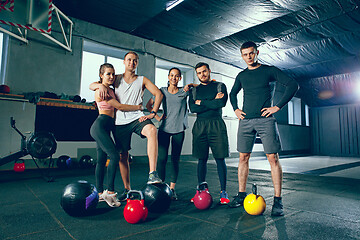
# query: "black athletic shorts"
{"points": [[123, 134], [210, 133]]}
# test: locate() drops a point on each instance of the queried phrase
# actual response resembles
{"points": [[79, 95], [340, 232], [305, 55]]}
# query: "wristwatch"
{"points": [[153, 112]]}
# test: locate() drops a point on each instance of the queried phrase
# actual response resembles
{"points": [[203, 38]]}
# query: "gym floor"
{"points": [[321, 197]]}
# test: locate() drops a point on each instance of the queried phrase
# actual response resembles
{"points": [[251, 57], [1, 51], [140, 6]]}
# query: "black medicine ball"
{"points": [[79, 198]]}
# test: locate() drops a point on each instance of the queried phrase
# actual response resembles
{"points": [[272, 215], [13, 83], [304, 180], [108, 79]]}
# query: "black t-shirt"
{"points": [[258, 91], [209, 108]]}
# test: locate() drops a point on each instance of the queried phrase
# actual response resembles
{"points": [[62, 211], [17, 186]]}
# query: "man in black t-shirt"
{"points": [[256, 117], [209, 130]]}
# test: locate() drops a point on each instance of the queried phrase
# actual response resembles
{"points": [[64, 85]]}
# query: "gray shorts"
{"points": [[267, 130]]}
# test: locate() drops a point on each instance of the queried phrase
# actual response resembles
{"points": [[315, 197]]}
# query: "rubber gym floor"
{"points": [[316, 207]]}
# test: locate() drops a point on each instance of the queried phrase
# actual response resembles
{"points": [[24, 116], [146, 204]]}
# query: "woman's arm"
{"points": [[189, 86], [124, 107], [101, 89]]}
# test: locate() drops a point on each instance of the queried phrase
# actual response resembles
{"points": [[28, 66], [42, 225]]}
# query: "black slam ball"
{"points": [[157, 197], [79, 198]]}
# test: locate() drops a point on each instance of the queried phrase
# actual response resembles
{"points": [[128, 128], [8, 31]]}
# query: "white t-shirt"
{"points": [[131, 94]]}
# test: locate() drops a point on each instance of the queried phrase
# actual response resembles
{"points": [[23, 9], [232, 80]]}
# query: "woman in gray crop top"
{"points": [[172, 127]]}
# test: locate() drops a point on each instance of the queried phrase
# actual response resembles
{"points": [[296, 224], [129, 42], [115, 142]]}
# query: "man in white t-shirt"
{"points": [[129, 89]]}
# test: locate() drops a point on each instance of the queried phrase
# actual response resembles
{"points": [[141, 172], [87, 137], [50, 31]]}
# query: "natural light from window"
{"points": [[307, 115], [118, 64], [1, 53], [294, 111], [228, 110], [90, 73], [95, 54]]}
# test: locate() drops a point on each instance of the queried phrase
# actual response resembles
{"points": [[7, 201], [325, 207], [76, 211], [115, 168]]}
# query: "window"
{"points": [[161, 78], [294, 111], [162, 71], [307, 117], [90, 73], [228, 110], [3, 54], [95, 54], [117, 63]]}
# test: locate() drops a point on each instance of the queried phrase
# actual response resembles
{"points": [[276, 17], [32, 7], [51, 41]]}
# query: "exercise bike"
{"points": [[40, 145]]}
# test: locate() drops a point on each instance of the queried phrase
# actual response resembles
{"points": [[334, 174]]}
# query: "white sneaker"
{"points": [[101, 199], [111, 199]]}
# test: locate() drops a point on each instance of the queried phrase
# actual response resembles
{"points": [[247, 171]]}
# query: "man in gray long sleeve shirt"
{"points": [[256, 117]]}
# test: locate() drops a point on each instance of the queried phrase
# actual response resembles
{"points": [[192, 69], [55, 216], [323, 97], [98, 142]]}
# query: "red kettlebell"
{"points": [[19, 165], [135, 210], [202, 198]]}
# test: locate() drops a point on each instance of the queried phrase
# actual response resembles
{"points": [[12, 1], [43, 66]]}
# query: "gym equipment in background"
{"points": [[65, 162], [19, 165], [135, 210], [254, 204], [86, 161], [79, 198], [203, 199], [40, 145], [4, 89], [157, 197]]}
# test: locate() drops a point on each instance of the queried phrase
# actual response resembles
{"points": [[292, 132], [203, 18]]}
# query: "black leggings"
{"points": [[221, 169], [100, 131], [177, 140]]}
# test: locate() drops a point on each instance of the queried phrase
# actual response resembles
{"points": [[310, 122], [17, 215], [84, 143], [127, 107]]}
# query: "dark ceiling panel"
{"points": [[197, 22], [323, 69], [227, 49], [121, 15], [309, 39], [282, 33]]}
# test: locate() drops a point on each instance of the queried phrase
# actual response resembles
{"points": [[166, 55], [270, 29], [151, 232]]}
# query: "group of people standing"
{"points": [[119, 99]]}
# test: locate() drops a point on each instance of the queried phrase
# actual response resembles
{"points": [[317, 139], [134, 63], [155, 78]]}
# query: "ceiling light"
{"points": [[173, 4]]}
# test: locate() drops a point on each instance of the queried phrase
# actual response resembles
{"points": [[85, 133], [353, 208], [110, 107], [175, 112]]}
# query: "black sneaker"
{"points": [[238, 200], [174, 197], [122, 197], [277, 208], [153, 178]]}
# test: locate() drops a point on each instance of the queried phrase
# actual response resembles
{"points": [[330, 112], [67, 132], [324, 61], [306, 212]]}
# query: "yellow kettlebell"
{"points": [[254, 204]]}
